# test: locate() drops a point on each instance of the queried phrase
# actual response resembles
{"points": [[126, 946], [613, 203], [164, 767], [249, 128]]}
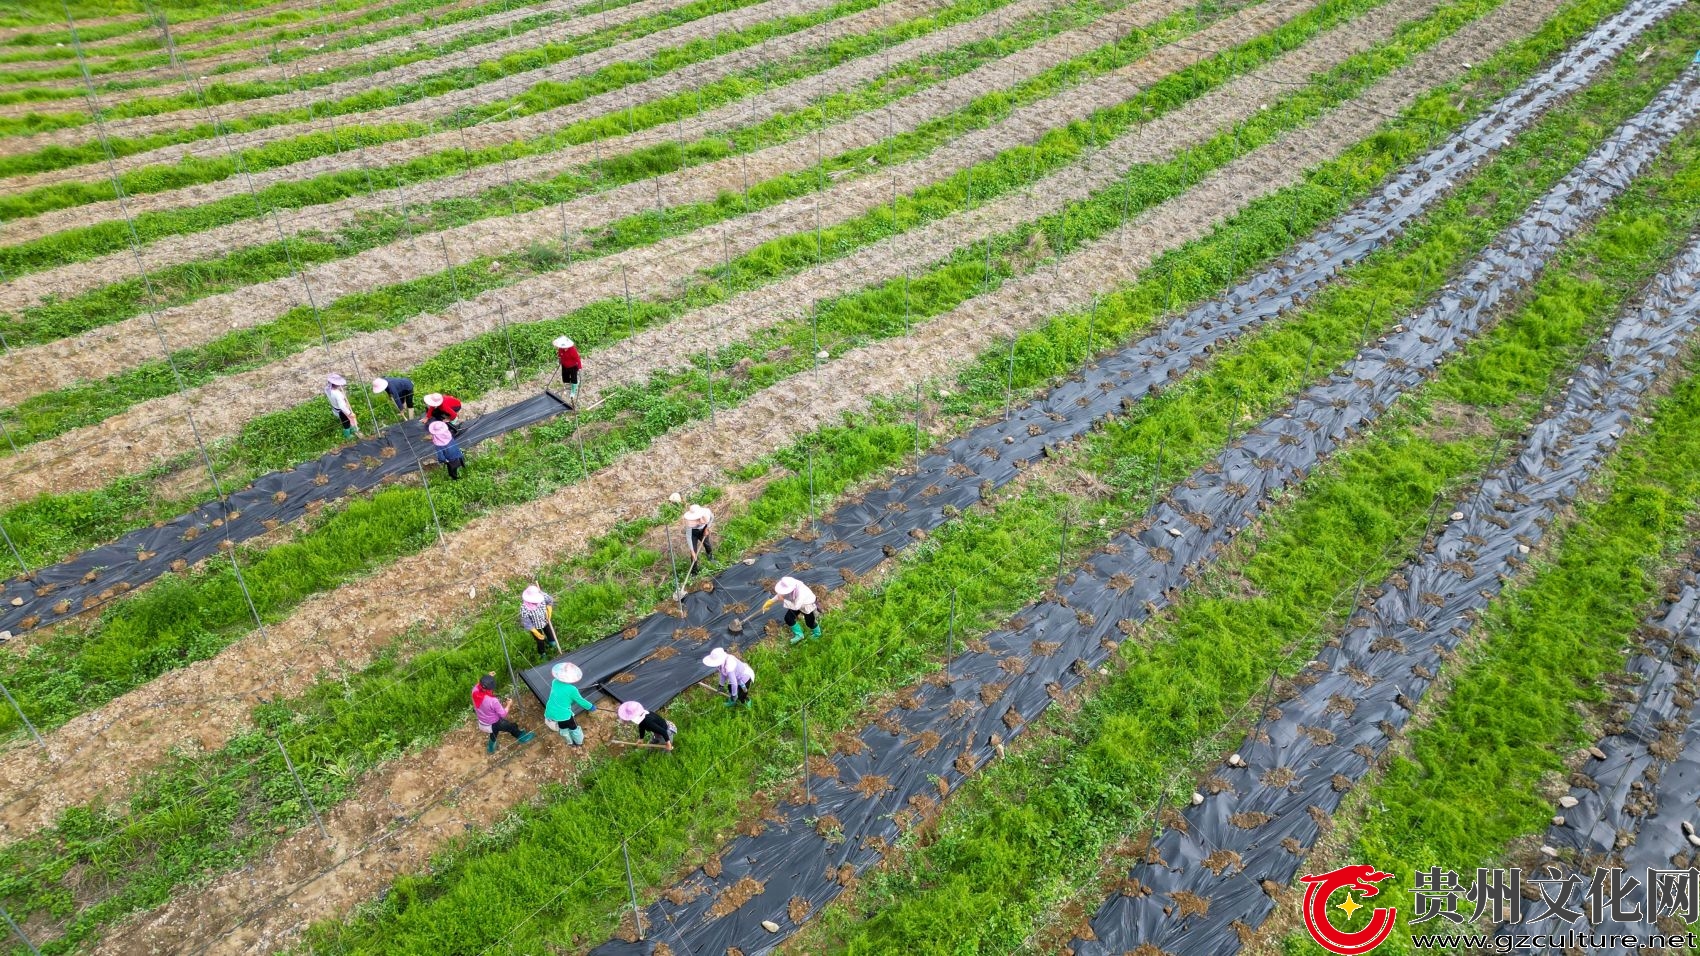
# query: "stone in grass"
{"points": [[770, 926], [1558, 821], [1567, 801], [1197, 798], [1235, 760]]}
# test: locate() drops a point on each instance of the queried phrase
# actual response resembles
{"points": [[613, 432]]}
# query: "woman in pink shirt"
{"points": [[491, 712]]}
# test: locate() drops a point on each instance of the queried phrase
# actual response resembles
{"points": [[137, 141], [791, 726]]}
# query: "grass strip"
{"points": [[75, 669], [166, 799], [539, 97], [1045, 819], [455, 370]]}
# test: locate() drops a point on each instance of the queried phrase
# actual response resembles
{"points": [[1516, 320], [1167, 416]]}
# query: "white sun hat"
{"points": [[378, 385], [335, 379], [532, 595], [566, 672], [786, 585], [563, 343], [434, 399], [715, 657]]}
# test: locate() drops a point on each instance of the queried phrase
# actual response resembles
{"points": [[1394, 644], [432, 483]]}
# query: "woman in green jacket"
{"points": [[563, 696]]}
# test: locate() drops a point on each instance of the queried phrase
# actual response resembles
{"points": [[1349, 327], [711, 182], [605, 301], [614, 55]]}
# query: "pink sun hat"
{"points": [[567, 673], [785, 585], [440, 434], [632, 711], [715, 657], [533, 595], [335, 379]]}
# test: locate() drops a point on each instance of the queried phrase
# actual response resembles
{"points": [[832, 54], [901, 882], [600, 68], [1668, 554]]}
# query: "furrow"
{"points": [[1252, 833], [23, 291], [99, 752], [659, 264]]}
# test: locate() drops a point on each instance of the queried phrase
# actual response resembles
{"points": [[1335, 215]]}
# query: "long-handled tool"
{"points": [[633, 743]]}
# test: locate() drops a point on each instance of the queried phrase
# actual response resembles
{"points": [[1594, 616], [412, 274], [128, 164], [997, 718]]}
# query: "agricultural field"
{"points": [[1241, 459]]}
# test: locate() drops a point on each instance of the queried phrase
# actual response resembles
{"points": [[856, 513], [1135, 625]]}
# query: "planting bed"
{"points": [[933, 301]]}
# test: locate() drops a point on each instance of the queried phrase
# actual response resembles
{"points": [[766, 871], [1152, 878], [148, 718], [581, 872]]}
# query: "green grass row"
{"points": [[1353, 175], [1045, 819], [175, 285], [77, 669], [430, 914], [539, 97], [345, 35], [58, 516]]}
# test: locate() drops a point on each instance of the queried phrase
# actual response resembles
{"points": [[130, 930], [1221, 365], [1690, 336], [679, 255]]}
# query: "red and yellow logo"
{"points": [[1353, 879]]}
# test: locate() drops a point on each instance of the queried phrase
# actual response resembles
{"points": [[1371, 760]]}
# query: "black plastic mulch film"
{"points": [[1257, 821], [949, 730], [95, 577]]}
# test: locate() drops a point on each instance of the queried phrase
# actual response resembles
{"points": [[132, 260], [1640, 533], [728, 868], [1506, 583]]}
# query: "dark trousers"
{"points": [[742, 695], [342, 417], [403, 402], [504, 724], [547, 639], [700, 543], [454, 428], [571, 723], [454, 465], [791, 618], [569, 376]]}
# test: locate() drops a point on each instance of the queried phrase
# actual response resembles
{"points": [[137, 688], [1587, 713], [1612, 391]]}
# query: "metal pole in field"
{"points": [[1009, 380], [1091, 326], [950, 630], [631, 889], [808, 796], [513, 677], [19, 932], [513, 363], [1157, 473], [27, 725], [243, 584], [1062, 545], [673, 561], [627, 285], [429, 498], [14, 548], [811, 484], [303, 787], [918, 400]]}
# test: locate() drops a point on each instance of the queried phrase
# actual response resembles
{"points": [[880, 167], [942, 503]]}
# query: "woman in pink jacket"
{"points": [[735, 675], [491, 712]]}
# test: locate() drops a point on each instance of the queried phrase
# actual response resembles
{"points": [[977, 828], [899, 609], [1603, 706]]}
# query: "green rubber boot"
{"points": [[815, 633], [527, 737], [490, 747], [796, 633]]}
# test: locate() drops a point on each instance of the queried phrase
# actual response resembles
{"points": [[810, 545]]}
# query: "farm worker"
{"points": [[648, 724], [697, 519], [563, 697], [338, 397], [400, 391], [448, 452], [537, 615], [442, 408], [567, 352], [492, 712], [735, 676], [799, 600]]}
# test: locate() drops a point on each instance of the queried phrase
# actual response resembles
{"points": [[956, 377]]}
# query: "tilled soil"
{"points": [[97, 754], [73, 278], [175, 78], [450, 139], [637, 49], [151, 429]]}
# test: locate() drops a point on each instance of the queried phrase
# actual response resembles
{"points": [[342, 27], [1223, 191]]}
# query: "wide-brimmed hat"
{"points": [[633, 711], [563, 343], [566, 672], [335, 379], [533, 595], [697, 513], [786, 585], [433, 400], [378, 385], [440, 434], [715, 657]]}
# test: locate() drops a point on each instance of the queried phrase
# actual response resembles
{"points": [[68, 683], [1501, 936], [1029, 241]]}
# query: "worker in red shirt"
{"points": [[567, 352], [442, 408]]}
